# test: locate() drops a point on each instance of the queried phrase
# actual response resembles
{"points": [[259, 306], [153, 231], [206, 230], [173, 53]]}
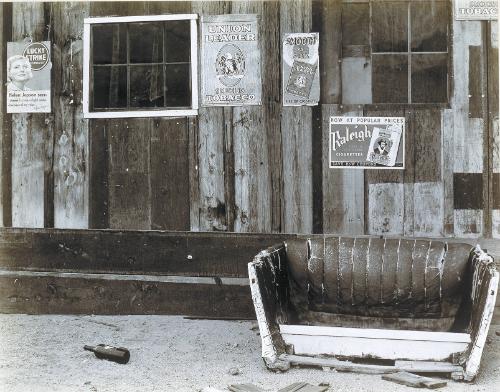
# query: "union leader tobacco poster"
{"points": [[230, 56], [300, 69], [28, 77], [367, 142]]}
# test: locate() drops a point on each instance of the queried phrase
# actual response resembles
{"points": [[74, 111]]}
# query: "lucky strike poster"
{"points": [[28, 77], [230, 71], [367, 142]]}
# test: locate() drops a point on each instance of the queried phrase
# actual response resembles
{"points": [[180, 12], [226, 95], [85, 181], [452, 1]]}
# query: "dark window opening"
{"points": [[406, 43], [144, 65]]}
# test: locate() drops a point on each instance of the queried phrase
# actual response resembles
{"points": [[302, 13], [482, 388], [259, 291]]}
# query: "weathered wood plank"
{"points": [[468, 132], [250, 146], [413, 380], [494, 131], [296, 128], [28, 133], [5, 122], [95, 294], [129, 174], [386, 210], [447, 128], [169, 173], [98, 174], [271, 62], [175, 253], [331, 48], [343, 189], [71, 159], [211, 204]]}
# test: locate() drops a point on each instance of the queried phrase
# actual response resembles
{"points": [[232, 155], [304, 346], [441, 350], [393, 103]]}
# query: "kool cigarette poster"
{"points": [[367, 142], [28, 77], [476, 10], [300, 69], [230, 66]]}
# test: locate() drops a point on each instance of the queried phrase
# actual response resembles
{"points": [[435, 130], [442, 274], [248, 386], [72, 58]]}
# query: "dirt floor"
{"points": [[168, 353]]}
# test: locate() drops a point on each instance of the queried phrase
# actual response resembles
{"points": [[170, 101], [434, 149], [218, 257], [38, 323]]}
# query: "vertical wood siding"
{"points": [[253, 168], [68, 174], [30, 132]]}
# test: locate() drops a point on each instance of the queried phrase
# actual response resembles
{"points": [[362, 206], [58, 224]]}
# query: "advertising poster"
{"points": [[230, 61], [367, 142], [28, 77], [300, 69], [476, 9]]}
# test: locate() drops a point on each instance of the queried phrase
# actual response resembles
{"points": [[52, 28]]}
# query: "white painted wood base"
{"points": [[374, 343]]}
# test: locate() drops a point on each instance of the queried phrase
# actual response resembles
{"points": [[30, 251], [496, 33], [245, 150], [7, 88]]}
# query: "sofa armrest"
{"points": [[483, 297], [269, 286]]}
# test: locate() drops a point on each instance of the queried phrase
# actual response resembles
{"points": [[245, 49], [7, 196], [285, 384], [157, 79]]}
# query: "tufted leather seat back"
{"points": [[373, 276]]}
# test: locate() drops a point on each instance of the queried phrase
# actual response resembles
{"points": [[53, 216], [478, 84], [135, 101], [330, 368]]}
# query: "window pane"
{"points": [[146, 42], [390, 78], [109, 44], [429, 26], [389, 27], [146, 86], [429, 77], [177, 42], [355, 24], [178, 85], [110, 87]]}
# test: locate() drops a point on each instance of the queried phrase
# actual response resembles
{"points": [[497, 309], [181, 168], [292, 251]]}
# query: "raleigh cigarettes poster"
{"points": [[28, 77], [367, 142], [230, 61], [300, 69], [476, 10]]}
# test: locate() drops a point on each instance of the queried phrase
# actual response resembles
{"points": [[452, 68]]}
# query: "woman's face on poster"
{"points": [[20, 70]]}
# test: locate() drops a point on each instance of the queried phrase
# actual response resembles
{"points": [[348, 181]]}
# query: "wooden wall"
{"points": [[254, 168]]}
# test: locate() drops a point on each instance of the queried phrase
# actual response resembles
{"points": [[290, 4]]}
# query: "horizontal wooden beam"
{"points": [[132, 252], [59, 293]]}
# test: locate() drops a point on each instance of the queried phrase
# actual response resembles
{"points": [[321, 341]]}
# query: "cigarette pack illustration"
{"points": [[384, 144], [301, 79]]}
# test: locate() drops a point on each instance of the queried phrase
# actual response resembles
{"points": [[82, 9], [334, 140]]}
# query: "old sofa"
{"points": [[374, 305]]}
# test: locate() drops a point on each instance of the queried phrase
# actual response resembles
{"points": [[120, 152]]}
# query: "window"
{"points": [[140, 66], [407, 43]]}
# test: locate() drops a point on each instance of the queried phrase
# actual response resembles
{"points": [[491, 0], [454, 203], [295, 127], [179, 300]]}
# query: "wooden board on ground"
{"points": [[413, 380]]}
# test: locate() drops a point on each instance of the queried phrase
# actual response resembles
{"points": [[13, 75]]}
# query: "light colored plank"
{"points": [[344, 366], [210, 152], [356, 80], [28, 133], [386, 201], [447, 163], [251, 155], [343, 189], [495, 223], [413, 380], [468, 143], [428, 213], [468, 223], [486, 314], [428, 367], [296, 128], [370, 333], [373, 348]]}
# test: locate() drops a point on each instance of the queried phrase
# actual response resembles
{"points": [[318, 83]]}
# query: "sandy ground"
{"points": [[168, 353]]}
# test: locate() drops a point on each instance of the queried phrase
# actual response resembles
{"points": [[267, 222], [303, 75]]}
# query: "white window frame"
{"points": [[140, 113]]}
